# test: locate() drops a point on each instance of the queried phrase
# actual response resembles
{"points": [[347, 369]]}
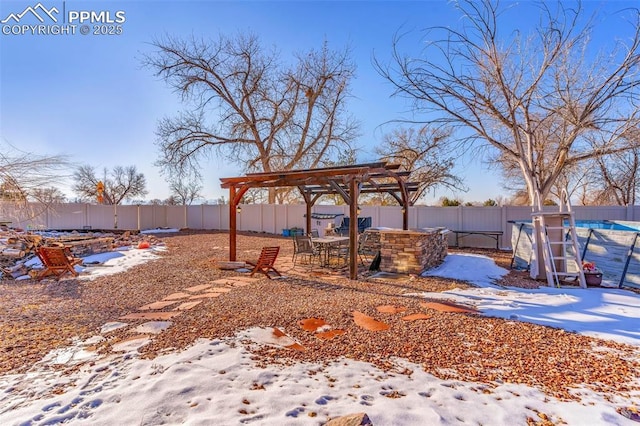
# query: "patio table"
{"points": [[324, 246]]}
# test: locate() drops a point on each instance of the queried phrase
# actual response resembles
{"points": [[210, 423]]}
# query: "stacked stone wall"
{"points": [[409, 252]]}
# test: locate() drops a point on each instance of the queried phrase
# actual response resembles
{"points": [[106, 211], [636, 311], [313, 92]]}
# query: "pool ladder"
{"points": [[559, 252]]}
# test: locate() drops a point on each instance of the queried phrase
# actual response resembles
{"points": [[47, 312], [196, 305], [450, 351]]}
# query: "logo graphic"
{"points": [[40, 20], [16, 17]]}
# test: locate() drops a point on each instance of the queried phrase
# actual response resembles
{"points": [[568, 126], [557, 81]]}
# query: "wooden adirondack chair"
{"points": [[57, 260], [265, 262]]}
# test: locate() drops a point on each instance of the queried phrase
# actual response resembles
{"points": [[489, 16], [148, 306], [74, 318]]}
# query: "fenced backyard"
{"points": [[273, 219]]}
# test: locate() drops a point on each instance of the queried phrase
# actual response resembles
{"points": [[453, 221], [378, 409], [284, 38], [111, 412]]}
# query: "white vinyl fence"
{"points": [[274, 219]]}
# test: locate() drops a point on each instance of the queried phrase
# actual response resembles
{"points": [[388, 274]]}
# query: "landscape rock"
{"points": [[357, 419]]}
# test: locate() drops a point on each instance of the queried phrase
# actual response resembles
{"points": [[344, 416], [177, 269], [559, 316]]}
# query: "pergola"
{"points": [[347, 181]]}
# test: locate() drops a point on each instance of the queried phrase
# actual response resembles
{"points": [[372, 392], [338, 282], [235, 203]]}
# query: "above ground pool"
{"points": [[614, 246]]}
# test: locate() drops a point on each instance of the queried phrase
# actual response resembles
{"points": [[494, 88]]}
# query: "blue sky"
{"points": [[88, 97]]}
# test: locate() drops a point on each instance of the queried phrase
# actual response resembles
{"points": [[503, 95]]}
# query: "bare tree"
{"points": [[619, 177], [185, 191], [49, 195], [120, 184], [573, 179], [426, 153], [612, 179], [545, 92], [23, 175], [246, 104]]}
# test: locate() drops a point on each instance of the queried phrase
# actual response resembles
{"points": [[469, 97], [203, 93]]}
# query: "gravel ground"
{"points": [[39, 317]]}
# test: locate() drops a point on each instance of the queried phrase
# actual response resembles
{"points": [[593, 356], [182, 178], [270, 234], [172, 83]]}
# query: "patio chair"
{"points": [[303, 247], [265, 262], [340, 251], [366, 250], [57, 260]]}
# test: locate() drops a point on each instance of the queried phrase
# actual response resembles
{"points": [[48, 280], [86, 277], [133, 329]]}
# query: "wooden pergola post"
{"points": [[353, 228], [232, 223]]}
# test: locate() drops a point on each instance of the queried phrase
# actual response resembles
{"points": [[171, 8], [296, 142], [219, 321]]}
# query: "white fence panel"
{"points": [[385, 216], [195, 219], [275, 218], [433, 217], [66, 216], [269, 219], [215, 217], [160, 217], [281, 220], [145, 217], [486, 218], [127, 217], [32, 216], [100, 217], [600, 212], [249, 218], [176, 216], [224, 217]]}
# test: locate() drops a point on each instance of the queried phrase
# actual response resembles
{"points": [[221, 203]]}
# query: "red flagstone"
{"points": [[448, 307], [369, 323], [328, 335], [177, 296], [236, 282], [205, 296], [197, 288], [390, 309], [131, 343], [278, 333], [153, 327], [414, 317], [151, 315], [311, 324], [224, 281], [187, 305], [295, 346], [157, 305], [246, 279]]}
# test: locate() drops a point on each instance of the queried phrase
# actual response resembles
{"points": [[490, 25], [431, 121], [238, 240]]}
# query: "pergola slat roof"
{"points": [[347, 181]]}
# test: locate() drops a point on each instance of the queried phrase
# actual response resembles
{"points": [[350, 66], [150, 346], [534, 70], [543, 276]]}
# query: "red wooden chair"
{"points": [[57, 260], [265, 262]]}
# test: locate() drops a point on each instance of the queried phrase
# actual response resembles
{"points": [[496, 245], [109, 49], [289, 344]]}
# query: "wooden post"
{"points": [[232, 223], [405, 217], [353, 229]]}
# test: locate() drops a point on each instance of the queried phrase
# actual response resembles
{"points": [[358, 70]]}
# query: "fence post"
{"points": [[503, 219]]}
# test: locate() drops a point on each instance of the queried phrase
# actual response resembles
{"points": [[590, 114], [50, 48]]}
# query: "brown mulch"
{"points": [[36, 317]]}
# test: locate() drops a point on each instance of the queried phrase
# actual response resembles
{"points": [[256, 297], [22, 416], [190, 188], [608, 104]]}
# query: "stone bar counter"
{"points": [[411, 251]]}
